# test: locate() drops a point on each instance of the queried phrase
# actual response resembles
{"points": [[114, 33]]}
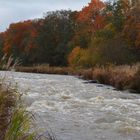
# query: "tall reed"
{"points": [[16, 123]]}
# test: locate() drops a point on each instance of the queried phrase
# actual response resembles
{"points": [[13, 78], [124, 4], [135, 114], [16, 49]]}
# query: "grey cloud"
{"points": [[16, 10]]}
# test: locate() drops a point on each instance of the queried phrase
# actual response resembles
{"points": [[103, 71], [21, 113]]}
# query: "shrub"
{"points": [[135, 83]]}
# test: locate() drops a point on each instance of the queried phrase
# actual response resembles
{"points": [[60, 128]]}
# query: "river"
{"points": [[75, 110]]}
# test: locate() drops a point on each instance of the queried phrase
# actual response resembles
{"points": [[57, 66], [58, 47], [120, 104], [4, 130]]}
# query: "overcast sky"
{"points": [[19, 10]]}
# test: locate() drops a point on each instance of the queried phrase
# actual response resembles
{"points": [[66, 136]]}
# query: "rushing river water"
{"points": [[75, 110]]}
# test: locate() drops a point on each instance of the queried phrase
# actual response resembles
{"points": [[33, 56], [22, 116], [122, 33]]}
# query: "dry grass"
{"points": [[7, 103], [121, 77], [15, 122], [44, 69], [8, 63], [135, 82]]}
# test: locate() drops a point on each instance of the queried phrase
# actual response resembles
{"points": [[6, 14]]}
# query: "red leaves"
{"points": [[20, 35], [91, 11], [91, 14], [132, 27]]}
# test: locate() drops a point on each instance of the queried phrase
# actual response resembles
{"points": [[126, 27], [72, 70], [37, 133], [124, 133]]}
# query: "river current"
{"points": [[75, 110]]}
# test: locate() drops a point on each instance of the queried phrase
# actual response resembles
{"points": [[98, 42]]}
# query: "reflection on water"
{"points": [[75, 110]]}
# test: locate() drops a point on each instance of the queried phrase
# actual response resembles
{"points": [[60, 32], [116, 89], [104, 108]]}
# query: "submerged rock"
{"points": [[91, 82]]}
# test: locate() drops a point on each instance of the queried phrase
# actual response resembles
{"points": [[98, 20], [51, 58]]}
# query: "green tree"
{"points": [[55, 31], [1, 44], [115, 13]]}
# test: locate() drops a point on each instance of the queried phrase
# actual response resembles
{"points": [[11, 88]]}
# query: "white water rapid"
{"points": [[75, 110]]}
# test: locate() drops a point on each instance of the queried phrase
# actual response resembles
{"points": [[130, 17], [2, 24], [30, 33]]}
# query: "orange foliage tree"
{"points": [[74, 56], [132, 26], [19, 38], [92, 15], [18, 35], [89, 20]]}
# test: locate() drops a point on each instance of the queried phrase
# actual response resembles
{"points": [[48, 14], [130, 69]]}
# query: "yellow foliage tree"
{"points": [[74, 56]]}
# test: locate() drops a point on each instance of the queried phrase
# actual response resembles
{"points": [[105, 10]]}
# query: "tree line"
{"points": [[101, 33]]}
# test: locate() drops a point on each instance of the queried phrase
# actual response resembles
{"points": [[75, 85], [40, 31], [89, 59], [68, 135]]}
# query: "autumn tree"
{"points": [[100, 30], [89, 20], [92, 16], [19, 39], [132, 26], [56, 30], [116, 12]]}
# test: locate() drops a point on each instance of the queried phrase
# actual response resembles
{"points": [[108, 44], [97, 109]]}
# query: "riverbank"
{"points": [[7, 103], [121, 77], [16, 123]]}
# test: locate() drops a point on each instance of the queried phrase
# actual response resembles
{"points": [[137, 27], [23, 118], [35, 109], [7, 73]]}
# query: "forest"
{"points": [[102, 33]]}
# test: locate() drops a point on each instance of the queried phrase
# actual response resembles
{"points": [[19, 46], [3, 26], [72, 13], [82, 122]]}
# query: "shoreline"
{"points": [[123, 77]]}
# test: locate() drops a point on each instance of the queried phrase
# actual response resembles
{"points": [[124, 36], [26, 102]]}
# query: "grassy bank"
{"points": [[7, 103], [45, 69], [16, 123], [122, 77]]}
